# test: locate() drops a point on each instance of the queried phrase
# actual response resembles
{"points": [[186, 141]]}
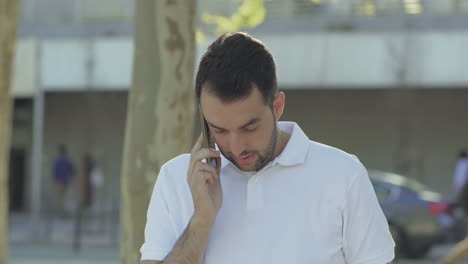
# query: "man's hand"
{"points": [[205, 186], [204, 183]]}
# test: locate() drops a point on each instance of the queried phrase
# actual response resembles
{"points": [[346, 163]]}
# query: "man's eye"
{"points": [[219, 131], [250, 129]]}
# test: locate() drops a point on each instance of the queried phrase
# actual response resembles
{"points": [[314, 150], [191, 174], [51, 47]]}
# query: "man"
{"points": [[460, 187], [460, 175], [62, 174], [279, 198]]}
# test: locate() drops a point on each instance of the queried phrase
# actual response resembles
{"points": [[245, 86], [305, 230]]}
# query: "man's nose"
{"points": [[237, 144]]}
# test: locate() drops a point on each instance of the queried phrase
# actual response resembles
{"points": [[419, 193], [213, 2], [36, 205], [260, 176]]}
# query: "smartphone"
{"points": [[208, 142]]}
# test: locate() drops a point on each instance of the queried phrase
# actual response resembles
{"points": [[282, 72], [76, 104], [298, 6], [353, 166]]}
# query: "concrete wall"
{"points": [[86, 122], [369, 60], [304, 61], [367, 124], [25, 71]]}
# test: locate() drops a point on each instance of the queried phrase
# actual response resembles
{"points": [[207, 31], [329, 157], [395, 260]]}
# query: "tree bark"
{"points": [[8, 25], [161, 108]]}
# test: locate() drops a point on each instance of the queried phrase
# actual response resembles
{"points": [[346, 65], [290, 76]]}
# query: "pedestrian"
{"points": [[85, 182], [460, 187], [278, 197], [98, 207], [62, 174], [460, 175]]}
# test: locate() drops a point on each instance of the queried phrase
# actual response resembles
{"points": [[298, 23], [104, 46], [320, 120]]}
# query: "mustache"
{"points": [[244, 153]]}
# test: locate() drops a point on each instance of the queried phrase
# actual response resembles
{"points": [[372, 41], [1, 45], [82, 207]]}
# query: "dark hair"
{"points": [[233, 64]]}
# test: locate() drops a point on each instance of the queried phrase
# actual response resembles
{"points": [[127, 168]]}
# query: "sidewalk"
{"points": [[54, 243], [37, 254], [61, 231]]}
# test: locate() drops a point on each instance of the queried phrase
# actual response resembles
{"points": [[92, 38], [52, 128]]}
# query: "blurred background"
{"points": [[386, 80]]}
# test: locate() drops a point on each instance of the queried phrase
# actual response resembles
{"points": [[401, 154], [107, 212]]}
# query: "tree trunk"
{"points": [[160, 109], [8, 25]]}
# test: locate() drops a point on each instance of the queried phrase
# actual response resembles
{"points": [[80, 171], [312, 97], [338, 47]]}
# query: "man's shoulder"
{"points": [[174, 171], [329, 153], [338, 164], [178, 163], [335, 169]]}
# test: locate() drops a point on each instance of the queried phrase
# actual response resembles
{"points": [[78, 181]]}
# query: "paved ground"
{"points": [[61, 261], [98, 247], [28, 254], [99, 244]]}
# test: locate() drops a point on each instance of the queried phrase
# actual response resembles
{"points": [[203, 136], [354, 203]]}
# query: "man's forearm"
{"points": [[191, 245]]}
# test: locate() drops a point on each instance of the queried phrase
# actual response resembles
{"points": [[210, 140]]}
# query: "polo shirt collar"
{"points": [[297, 147], [295, 151], [224, 161]]}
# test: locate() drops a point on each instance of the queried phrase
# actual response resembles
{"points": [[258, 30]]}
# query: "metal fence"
{"points": [[326, 14], [286, 8], [345, 15], [98, 11], [76, 11]]}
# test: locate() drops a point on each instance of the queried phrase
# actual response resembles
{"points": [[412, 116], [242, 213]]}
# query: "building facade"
{"points": [[385, 80]]}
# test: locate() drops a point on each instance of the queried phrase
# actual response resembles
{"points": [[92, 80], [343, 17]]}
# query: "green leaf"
{"points": [[250, 13]]}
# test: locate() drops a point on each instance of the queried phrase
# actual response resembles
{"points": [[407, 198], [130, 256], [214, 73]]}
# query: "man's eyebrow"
{"points": [[214, 126], [252, 121]]}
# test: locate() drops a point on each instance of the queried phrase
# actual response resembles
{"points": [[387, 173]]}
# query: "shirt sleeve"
{"points": [[366, 236], [160, 235]]}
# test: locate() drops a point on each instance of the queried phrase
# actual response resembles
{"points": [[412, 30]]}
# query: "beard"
{"points": [[264, 156]]}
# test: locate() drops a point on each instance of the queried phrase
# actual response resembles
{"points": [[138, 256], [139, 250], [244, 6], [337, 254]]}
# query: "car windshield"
{"points": [[402, 181], [417, 186]]}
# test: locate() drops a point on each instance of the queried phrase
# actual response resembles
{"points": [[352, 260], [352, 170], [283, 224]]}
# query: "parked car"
{"points": [[417, 216]]}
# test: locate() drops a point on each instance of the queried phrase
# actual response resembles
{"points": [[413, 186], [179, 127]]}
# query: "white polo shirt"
{"points": [[313, 204]]}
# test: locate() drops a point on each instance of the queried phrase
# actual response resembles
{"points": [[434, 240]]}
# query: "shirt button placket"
{"points": [[255, 194]]}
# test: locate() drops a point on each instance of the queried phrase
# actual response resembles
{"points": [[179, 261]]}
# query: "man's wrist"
{"points": [[201, 223]]}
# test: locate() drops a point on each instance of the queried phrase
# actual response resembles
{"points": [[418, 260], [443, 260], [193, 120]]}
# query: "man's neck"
{"points": [[283, 139]]}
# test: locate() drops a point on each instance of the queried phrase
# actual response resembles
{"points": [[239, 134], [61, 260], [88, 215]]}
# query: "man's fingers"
{"points": [[202, 172], [196, 160], [208, 168], [196, 148], [204, 154], [218, 164], [201, 155], [202, 177], [207, 177], [198, 144]]}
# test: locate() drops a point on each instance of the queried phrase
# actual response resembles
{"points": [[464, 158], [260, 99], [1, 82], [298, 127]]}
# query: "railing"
{"points": [[117, 11], [352, 15], [288, 8], [76, 11], [284, 8]]}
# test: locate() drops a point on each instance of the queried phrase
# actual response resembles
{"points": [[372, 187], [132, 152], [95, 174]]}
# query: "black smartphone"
{"points": [[208, 141]]}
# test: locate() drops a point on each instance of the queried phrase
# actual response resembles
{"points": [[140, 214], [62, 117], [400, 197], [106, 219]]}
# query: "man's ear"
{"points": [[278, 105]]}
